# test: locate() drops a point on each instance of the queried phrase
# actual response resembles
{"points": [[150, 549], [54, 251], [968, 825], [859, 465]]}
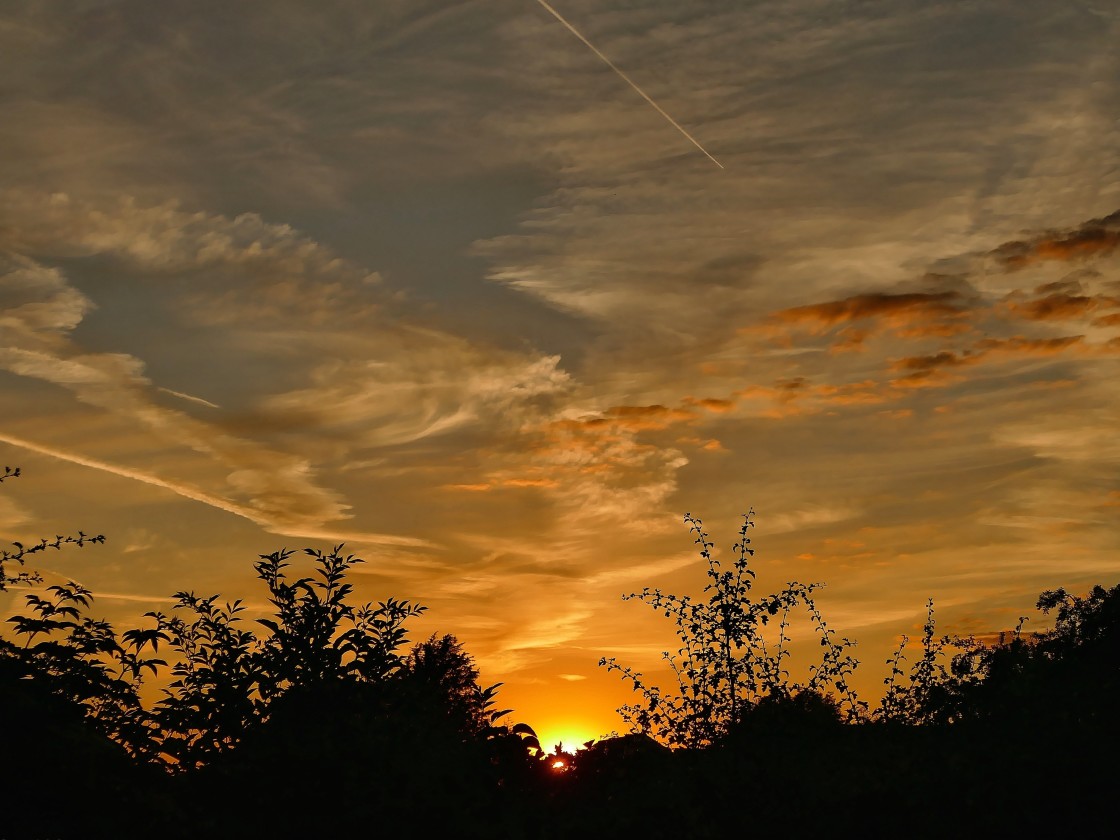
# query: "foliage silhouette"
{"points": [[725, 666], [228, 676], [914, 701], [321, 718], [67, 705], [1065, 678], [75, 657]]}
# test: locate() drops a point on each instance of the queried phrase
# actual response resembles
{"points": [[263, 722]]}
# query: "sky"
{"points": [[495, 305]]}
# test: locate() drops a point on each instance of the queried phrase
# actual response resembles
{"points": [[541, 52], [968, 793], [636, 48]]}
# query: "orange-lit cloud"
{"points": [[645, 416], [1112, 320], [1061, 306], [1005, 347], [713, 404], [1097, 237], [903, 308], [849, 323], [944, 358], [920, 379], [708, 445], [1019, 345]]}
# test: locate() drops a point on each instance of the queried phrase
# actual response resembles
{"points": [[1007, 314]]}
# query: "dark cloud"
{"points": [[946, 358], [1096, 237], [1061, 306], [905, 306], [920, 367], [1018, 345]]}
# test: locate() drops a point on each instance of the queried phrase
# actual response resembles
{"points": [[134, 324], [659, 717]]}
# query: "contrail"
{"points": [[269, 523], [630, 82], [189, 398]]}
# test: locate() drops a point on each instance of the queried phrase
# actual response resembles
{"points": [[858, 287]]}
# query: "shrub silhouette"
{"points": [[920, 698], [326, 702], [1066, 677], [228, 676], [725, 666], [67, 706], [71, 656], [321, 718]]}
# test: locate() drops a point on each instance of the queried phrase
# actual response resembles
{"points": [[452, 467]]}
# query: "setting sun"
{"points": [[568, 737]]}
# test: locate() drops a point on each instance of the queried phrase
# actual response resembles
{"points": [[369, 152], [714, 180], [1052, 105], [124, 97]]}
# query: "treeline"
{"points": [[324, 718]]}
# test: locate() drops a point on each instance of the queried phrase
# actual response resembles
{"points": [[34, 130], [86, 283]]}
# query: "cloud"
{"points": [[273, 518], [386, 381], [902, 308], [1090, 439], [1018, 345], [602, 471], [36, 302], [246, 270], [279, 489], [1112, 320], [1012, 347], [847, 324], [1094, 238], [12, 515], [944, 358], [810, 517], [713, 404], [1060, 306], [431, 384]]}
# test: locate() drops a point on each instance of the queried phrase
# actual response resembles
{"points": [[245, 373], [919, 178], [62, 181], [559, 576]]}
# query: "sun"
{"points": [[571, 737]]}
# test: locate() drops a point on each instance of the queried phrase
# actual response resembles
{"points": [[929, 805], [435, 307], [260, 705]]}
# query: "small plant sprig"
{"points": [[914, 701], [725, 666]]}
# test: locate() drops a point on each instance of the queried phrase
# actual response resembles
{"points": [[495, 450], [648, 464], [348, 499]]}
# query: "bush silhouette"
{"points": [[322, 718], [725, 665], [326, 704]]}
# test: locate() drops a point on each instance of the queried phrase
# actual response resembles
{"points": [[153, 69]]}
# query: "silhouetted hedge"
{"points": [[328, 723]]}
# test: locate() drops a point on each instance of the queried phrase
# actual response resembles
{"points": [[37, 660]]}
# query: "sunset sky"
{"points": [[432, 279]]}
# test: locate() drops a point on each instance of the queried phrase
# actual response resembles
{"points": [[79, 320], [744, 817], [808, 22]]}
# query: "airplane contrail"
{"points": [[630, 82], [269, 523]]}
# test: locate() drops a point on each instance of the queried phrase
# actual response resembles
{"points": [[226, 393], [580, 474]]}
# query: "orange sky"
{"points": [[430, 279]]}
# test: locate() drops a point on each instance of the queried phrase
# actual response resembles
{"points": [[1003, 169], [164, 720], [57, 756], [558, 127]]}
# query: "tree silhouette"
{"points": [[1067, 677]]}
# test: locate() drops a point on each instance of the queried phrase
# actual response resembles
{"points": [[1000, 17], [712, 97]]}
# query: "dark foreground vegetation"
{"points": [[324, 720]]}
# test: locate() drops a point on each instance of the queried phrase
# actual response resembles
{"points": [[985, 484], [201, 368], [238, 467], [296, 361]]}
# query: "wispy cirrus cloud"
{"points": [[275, 284]]}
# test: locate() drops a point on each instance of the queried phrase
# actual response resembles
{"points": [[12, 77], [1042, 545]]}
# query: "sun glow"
{"points": [[569, 737]]}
